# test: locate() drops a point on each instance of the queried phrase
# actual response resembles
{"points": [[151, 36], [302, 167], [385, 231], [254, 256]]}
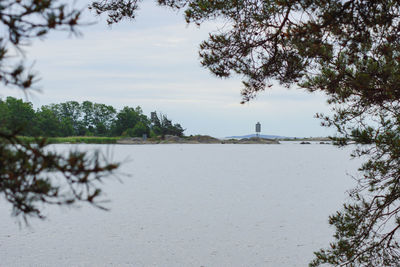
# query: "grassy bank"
{"points": [[74, 140]]}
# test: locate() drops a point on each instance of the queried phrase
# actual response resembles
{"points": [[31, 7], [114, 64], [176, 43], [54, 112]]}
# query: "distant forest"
{"points": [[82, 119]]}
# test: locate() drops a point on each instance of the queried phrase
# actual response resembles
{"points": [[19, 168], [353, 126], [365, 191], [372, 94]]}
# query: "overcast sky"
{"points": [[153, 62]]}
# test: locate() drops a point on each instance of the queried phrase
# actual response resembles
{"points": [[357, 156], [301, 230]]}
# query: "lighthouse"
{"points": [[258, 129]]}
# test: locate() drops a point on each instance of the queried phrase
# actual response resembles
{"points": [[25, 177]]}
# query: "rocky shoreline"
{"points": [[198, 139]]}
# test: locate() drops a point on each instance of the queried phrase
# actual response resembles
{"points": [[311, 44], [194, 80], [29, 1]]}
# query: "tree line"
{"points": [[72, 118]]}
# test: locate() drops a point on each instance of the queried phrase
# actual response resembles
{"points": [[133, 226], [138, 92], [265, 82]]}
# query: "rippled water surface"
{"points": [[194, 205]]}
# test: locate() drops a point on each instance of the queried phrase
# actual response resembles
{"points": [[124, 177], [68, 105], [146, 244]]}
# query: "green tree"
{"points": [[348, 49], [47, 122], [127, 118], [161, 125], [98, 118], [87, 109], [31, 176], [3, 115], [18, 115], [140, 129], [70, 113], [66, 124], [103, 118]]}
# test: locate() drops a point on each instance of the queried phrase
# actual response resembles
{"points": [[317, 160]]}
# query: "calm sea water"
{"points": [[194, 205]]}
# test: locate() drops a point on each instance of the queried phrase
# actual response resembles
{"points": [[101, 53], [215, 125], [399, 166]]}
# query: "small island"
{"points": [[95, 123]]}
